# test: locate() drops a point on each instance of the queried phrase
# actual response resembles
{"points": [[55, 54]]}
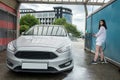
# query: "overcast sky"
{"points": [[78, 18]]}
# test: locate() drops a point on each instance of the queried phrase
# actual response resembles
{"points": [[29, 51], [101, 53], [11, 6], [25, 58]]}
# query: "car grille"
{"points": [[35, 55]]}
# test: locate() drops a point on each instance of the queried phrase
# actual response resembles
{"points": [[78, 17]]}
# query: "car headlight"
{"points": [[63, 49], [11, 47]]}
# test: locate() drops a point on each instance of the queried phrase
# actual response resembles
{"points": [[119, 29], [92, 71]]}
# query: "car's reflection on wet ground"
{"points": [[83, 70]]}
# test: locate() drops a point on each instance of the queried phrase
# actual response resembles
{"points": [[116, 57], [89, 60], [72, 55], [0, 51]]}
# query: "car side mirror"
{"points": [[23, 33], [70, 34]]}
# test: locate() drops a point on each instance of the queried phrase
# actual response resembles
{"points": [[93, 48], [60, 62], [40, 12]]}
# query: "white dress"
{"points": [[101, 36]]}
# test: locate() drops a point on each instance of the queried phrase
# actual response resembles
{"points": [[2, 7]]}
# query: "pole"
{"points": [[86, 14]]}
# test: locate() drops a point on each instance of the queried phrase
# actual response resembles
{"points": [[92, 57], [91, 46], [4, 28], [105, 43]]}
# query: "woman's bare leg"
{"points": [[101, 54], [96, 52]]}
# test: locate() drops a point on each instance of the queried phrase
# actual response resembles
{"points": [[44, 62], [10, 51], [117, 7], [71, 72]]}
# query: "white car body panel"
{"points": [[33, 43]]}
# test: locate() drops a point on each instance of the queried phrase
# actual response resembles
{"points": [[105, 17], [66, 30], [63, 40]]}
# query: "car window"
{"points": [[44, 31], [29, 32], [47, 31], [54, 31], [35, 31], [39, 30]]}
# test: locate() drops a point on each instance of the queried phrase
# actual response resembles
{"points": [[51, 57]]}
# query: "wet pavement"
{"points": [[83, 70]]}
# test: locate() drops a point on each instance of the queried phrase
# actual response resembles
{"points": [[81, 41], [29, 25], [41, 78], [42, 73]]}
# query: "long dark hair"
{"points": [[104, 24]]}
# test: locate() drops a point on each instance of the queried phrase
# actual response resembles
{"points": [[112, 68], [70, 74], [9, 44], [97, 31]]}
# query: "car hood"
{"points": [[42, 41]]}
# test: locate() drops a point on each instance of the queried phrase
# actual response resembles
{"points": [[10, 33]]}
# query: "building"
{"points": [[8, 21], [61, 12], [48, 17]]}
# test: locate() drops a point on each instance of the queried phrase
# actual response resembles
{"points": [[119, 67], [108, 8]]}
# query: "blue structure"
{"points": [[111, 14]]}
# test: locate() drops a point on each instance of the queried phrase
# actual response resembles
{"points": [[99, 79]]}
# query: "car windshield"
{"points": [[47, 31]]}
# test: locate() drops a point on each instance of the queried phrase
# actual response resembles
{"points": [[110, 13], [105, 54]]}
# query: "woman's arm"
{"points": [[100, 31]]}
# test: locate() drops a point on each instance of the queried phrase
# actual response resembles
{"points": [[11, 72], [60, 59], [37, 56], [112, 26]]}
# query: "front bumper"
{"points": [[61, 63]]}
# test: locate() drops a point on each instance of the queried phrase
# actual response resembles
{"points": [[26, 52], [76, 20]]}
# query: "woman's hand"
{"points": [[93, 35]]}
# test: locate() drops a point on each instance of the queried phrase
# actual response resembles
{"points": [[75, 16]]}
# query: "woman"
{"points": [[100, 40]]}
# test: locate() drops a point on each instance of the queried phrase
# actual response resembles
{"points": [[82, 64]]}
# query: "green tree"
{"points": [[69, 27], [72, 29], [23, 28], [29, 20], [60, 21]]}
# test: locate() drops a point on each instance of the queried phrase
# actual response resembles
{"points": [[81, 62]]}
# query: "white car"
{"points": [[43, 48]]}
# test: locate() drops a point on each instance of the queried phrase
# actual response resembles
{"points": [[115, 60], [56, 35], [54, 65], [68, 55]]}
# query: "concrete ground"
{"points": [[83, 70]]}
